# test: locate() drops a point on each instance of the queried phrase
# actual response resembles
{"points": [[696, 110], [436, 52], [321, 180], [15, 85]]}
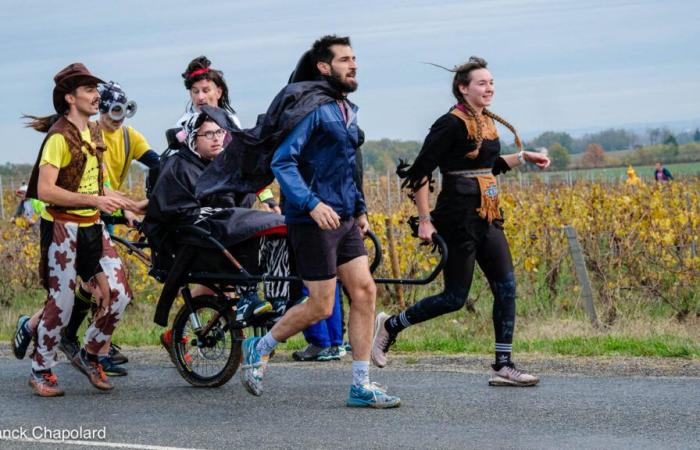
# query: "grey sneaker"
{"points": [[329, 354], [382, 341], [510, 376], [92, 370], [116, 356], [310, 353], [69, 347]]}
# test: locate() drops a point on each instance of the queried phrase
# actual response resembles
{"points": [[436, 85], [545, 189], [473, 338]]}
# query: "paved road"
{"points": [[303, 406]]}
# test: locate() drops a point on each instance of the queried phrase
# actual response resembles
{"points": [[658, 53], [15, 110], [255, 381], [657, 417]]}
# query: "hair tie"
{"points": [[194, 73]]}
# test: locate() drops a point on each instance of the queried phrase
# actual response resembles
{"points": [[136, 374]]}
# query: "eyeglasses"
{"points": [[210, 134]]}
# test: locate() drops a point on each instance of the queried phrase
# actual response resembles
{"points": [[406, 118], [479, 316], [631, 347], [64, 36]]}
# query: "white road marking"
{"points": [[99, 444]]}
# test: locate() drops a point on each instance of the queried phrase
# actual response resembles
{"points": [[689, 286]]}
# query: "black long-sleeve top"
{"points": [[445, 148]]}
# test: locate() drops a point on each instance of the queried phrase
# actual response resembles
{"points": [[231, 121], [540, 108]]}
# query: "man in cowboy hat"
{"points": [[68, 176]]}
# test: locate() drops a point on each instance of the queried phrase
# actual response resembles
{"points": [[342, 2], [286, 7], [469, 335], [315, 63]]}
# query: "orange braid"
{"points": [[479, 132], [505, 123]]}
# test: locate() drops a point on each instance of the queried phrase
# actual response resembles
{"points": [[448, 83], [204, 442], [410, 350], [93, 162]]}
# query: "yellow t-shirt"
{"points": [[115, 158], [57, 153]]}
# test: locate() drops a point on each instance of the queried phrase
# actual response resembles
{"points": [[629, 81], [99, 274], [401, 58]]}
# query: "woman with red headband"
{"points": [[207, 87]]}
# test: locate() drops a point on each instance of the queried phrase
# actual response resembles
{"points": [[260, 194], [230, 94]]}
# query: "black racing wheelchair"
{"points": [[206, 337]]}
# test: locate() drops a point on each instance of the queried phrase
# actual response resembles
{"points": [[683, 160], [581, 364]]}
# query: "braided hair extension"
{"points": [[479, 130], [506, 124]]}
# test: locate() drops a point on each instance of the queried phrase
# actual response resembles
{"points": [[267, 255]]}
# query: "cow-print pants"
{"points": [[68, 251]]}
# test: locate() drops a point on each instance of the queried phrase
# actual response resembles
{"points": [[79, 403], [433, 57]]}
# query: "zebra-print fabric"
{"points": [[273, 258]]}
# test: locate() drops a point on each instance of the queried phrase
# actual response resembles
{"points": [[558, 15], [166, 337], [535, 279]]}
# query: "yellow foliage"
{"points": [[637, 239]]}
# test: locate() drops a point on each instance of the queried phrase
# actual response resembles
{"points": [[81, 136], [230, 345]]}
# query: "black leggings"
{"points": [[492, 254]]}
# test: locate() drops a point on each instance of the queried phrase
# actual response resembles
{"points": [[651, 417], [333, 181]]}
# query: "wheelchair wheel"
{"points": [[209, 361]]}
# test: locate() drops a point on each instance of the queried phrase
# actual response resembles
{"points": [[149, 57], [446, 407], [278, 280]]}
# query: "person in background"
{"points": [[325, 337], [632, 178], [662, 174]]}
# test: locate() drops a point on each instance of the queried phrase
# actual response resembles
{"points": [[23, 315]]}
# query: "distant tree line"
{"points": [[614, 139], [589, 150], [15, 170]]}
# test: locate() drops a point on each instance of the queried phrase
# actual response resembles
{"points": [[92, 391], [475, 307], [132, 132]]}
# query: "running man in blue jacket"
{"points": [[326, 217]]}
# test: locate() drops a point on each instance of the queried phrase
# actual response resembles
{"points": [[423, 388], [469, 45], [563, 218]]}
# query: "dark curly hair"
{"points": [[200, 69], [321, 49]]}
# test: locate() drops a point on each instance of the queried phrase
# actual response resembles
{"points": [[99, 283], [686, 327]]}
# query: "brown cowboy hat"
{"points": [[67, 80]]}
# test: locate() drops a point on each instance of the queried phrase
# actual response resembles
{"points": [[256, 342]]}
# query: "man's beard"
{"points": [[343, 86]]}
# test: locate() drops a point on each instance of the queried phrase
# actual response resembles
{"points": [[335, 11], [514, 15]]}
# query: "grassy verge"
{"points": [[639, 334]]}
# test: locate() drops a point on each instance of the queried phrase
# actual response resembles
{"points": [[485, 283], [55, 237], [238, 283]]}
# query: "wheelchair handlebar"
{"points": [[377, 251], [118, 220], [442, 249]]}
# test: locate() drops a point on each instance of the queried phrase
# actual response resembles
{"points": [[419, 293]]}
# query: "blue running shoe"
{"points": [[111, 369], [371, 396], [253, 367], [249, 306], [22, 338]]}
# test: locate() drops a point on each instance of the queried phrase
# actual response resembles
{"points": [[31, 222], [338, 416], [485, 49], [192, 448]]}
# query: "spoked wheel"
{"points": [[211, 359]]}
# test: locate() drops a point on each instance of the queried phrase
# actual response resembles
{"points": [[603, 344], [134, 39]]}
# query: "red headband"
{"points": [[194, 73]]}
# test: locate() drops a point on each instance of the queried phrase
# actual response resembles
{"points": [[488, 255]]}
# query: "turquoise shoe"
{"points": [[253, 367], [371, 396]]}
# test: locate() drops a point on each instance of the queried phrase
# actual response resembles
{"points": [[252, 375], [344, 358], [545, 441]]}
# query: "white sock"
{"points": [[360, 372], [266, 344]]}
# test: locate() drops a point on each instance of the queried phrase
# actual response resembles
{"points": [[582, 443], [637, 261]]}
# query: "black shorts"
{"points": [[88, 252], [318, 253]]}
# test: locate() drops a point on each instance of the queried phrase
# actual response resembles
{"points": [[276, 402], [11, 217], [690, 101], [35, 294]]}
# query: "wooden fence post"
{"points": [[581, 273], [2, 200], [388, 193], [394, 260], [398, 188], [688, 207]]}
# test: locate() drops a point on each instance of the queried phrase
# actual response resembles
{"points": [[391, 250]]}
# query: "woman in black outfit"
{"points": [[464, 145]]}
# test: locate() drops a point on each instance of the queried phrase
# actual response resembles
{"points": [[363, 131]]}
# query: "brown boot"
{"points": [[45, 384], [92, 370]]}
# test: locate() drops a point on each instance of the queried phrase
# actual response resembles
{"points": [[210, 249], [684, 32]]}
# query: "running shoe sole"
{"points": [[359, 403], [45, 392], [500, 381], [19, 354]]}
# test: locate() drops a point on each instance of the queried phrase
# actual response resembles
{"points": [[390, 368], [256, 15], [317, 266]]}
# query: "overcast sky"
{"points": [[558, 65]]}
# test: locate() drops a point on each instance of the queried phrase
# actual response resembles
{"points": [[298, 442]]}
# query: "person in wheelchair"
{"points": [[242, 230], [207, 87]]}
